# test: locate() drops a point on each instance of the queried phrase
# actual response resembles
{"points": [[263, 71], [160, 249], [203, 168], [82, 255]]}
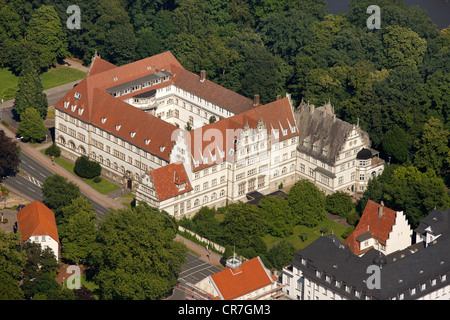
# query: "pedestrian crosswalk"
{"points": [[34, 181]]}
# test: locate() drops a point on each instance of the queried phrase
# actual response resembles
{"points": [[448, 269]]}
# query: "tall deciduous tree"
{"points": [[78, 230], [45, 30], [58, 193], [307, 203], [135, 256], [432, 148], [278, 215], [31, 126], [243, 225], [403, 47], [30, 93], [9, 156]]}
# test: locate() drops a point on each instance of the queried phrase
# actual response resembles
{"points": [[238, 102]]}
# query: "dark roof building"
{"points": [[327, 269]]}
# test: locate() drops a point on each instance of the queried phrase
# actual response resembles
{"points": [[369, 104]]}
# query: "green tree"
{"points": [[135, 257], [307, 203], [57, 193], [278, 215], [403, 47], [243, 225], [9, 157], [45, 30], [395, 144], [31, 126], [206, 225], [281, 254], [86, 168], [432, 148], [410, 190], [53, 150], [30, 93], [78, 231], [9, 288], [339, 203], [12, 260]]}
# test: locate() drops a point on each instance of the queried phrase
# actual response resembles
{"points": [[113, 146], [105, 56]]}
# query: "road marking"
{"points": [[31, 190], [34, 181]]}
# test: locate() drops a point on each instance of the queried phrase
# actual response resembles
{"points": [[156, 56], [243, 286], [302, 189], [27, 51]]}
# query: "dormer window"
{"points": [[132, 134], [118, 127], [196, 163], [77, 96], [66, 104], [73, 107], [293, 129], [314, 147], [115, 79], [324, 151], [80, 111], [147, 141], [162, 149], [104, 120], [284, 132], [305, 143]]}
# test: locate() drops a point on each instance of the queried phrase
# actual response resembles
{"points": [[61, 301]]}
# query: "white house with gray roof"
{"points": [[328, 270]]}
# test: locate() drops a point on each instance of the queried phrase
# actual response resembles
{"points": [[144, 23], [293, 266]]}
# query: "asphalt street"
{"points": [[34, 174]]}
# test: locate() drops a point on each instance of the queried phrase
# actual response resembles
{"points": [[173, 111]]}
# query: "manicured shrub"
{"points": [[86, 168]]}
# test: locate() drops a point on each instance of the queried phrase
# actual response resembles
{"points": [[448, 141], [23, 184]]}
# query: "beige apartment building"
{"points": [[133, 120]]}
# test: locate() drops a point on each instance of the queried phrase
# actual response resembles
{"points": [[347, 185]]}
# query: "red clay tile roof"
{"points": [[36, 219], [370, 221], [211, 91], [92, 103], [167, 179], [251, 276], [99, 65], [276, 115]]}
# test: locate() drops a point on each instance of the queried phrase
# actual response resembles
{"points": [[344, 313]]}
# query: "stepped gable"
{"points": [[372, 224], [276, 116]]}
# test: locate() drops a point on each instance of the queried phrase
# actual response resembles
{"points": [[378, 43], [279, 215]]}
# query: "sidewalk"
{"points": [[102, 199], [214, 258]]}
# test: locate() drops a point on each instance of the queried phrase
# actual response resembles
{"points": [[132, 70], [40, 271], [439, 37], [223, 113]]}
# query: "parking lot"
{"points": [[192, 272]]}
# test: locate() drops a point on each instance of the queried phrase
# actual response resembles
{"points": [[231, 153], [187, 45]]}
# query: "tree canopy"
{"points": [[134, 256]]}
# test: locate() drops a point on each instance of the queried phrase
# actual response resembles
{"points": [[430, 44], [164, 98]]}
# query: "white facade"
{"points": [[401, 235], [45, 241]]}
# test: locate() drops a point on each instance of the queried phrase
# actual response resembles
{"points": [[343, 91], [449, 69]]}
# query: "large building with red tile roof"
{"points": [[380, 228], [151, 122], [36, 223], [249, 280]]}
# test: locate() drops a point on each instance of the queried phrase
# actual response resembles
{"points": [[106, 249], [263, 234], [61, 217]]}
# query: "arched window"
{"points": [[196, 203]]}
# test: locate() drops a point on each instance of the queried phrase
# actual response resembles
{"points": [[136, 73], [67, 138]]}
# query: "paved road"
{"points": [[29, 184]]}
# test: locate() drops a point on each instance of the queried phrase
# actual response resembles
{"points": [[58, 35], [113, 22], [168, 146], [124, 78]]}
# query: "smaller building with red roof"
{"points": [[36, 223], [380, 228], [249, 280]]}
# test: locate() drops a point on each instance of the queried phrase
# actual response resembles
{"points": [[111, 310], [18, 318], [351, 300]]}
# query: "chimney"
{"points": [[256, 100], [278, 97], [202, 75], [380, 209]]}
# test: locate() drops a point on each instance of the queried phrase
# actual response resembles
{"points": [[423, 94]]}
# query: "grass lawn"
{"points": [[52, 78], [59, 76], [103, 186], [312, 234]]}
